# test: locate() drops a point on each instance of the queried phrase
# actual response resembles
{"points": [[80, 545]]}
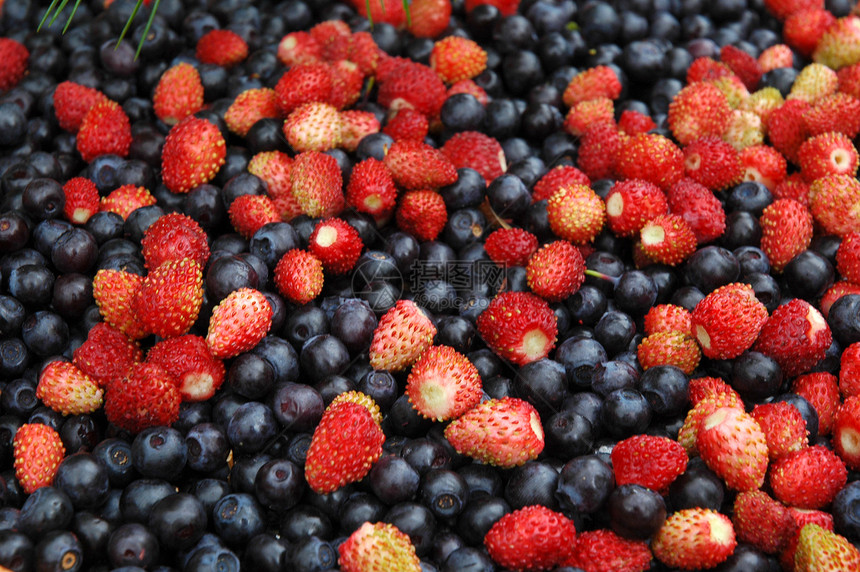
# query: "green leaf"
{"points": [[47, 14], [148, 26], [128, 24]]}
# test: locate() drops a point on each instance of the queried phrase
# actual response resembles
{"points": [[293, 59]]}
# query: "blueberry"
{"points": [[584, 484], [84, 480], [543, 384], [304, 521], [614, 331], [625, 412], [159, 453], [312, 554], [16, 551], [59, 550], [279, 484], [140, 496], [265, 552], [666, 388], [611, 375], [532, 483], [635, 511], [444, 492], [46, 509], [568, 434], [846, 511], [808, 275], [115, 455], [207, 447], [844, 319], [580, 356], [756, 376], [393, 480], [468, 558], [711, 267], [237, 518]]}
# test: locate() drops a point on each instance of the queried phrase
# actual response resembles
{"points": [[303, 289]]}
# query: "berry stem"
{"points": [[602, 276]]}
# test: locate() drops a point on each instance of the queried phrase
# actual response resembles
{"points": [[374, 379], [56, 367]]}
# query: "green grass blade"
{"points": [[58, 12], [128, 24], [369, 15], [148, 26], [382, 3], [72, 15], [408, 13], [47, 14]]}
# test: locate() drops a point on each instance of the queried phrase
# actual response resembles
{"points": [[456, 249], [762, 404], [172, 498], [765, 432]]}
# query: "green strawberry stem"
{"points": [[602, 276]]}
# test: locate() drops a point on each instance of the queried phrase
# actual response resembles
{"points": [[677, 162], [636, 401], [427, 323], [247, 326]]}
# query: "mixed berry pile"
{"points": [[482, 285]]}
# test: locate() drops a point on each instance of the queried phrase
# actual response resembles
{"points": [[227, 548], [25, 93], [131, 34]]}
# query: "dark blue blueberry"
{"points": [[251, 376], [755, 376], [159, 453], [580, 356], [84, 480], [808, 275], [568, 434], [305, 520], [393, 480], [635, 511], [468, 558], [360, 508], [115, 455], [625, 412], [210, 491], [265, 552], [59, 550], [311, 554], [138, 498], [711, 267], [666, 388], [584, 484], [611, 375], [844, 319], [479, 516], [46, 509], [533, 483], [747, 558], [279, 484], [93, 532], [444, 492], [543, 384], [846, 511], [207, 447], [16, 551], [179, 521], [237, 518], [614, 331]]}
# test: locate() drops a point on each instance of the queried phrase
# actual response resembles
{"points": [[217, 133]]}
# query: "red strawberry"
{"points": [[519, 327], [14, 56], [114, 292], [416, 165], [837, 48], [706, 69], [698, 110], [776, 56], [801, 519], [700, 208], [407, 124], [821, 390], [126, 199], [576, 213], [633, 123], [422, 214], [238, 323], [796, 335], [846, 432], [557, 178], [174, 236], [555, 271], [506, 7], [703, 387], [403, 333], [793, 187], [836, 112], [587, 113], [503, 432], [344, 447], [668, 239], [839, 289], [712, 162], [677, 349], [250, 213], [849, 80], [604, 551], [72, 101], [782, 9], [249, 107], [37, 452], [786, 231], [381, 11], [67, 390], [649, 461], [833, 201], [146, 397], [848, 257], [429, 18], [734, 447], [317, 184], [827, 154], [304, 83], [470, 87], [299, 276], [630, 204], [783, 427], [378, 546], [105, 130], [803, 29], [741, 63], [761, 521], [728, 320], [274, 167], [510, 246], [404, 83], [694, 538], [667, 318], [82, 200], [820, 549], [598, 150], [336, 244], [364, 52], [347, 82], [533, 537], [106, 354], [476, 151], [355, 125], [361, 399], [193, 153], [221, 47], [598, 81], [333, 36], [786, 127], [179, 93], [455, 58], [371, 189], [298, 48], [197, 373], [443, 384], [763, 164], [313, 127], [849, 370], [168, 301], [789, 477]]}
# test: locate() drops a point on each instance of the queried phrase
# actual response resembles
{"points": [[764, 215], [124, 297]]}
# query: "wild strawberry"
{"points": [[694, 538], [649, 461], [728, 320], [821, 390], [704, 387], [179, 93], [745, 129], [533, 537], [712, 162], [298, 48], [630, 204], [786, 128], [146, 397], [557, 178], [378, 546], [782, 9], [364, 52], [421, 214], [763, 102], [15, 58], [677, 349], [633, 123], [827, 154], [761, 521], [793, 187], [371, 189], [598, 81], [126, 199], [698, 110], [469, 87], [114, 291], [702, 211], [416, 165], [802, 518], [666, 318], [796, 335], [803, 29], [650, 157], [333, 36], [409, 84], [355, 125], [706, 70], [197, 373], [839, 289], [443, 384], [776, 56], [106, 354], [833, 200], [193, 153], [250, 213], [741, 63], [846, 432], [82, 200], [304, 83], [503, 432], [789, 477], [519, 327], [668, 239], [67, 390], [839, 46], [381, 11], [317, 184], [174, 236], [820, 549], [849, 370], [299, 276], [361, 399], [347, 82], [555, 271], [586, 113], [455, 58], [604, 551], [506, 7], [849, 80], [598, 150], [403, 333], [105, 130], [221, 47], [783, 427], [733, 445], [344, 447], [72, 101], [429, 18], [510, 246], [763, 164], [249, 107], [313, 127], [336, 244], [407, 124], [238, 323], [168, 301], [786, 231], [576, 213], [476, 151], [37, 451], [814, 82]]}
